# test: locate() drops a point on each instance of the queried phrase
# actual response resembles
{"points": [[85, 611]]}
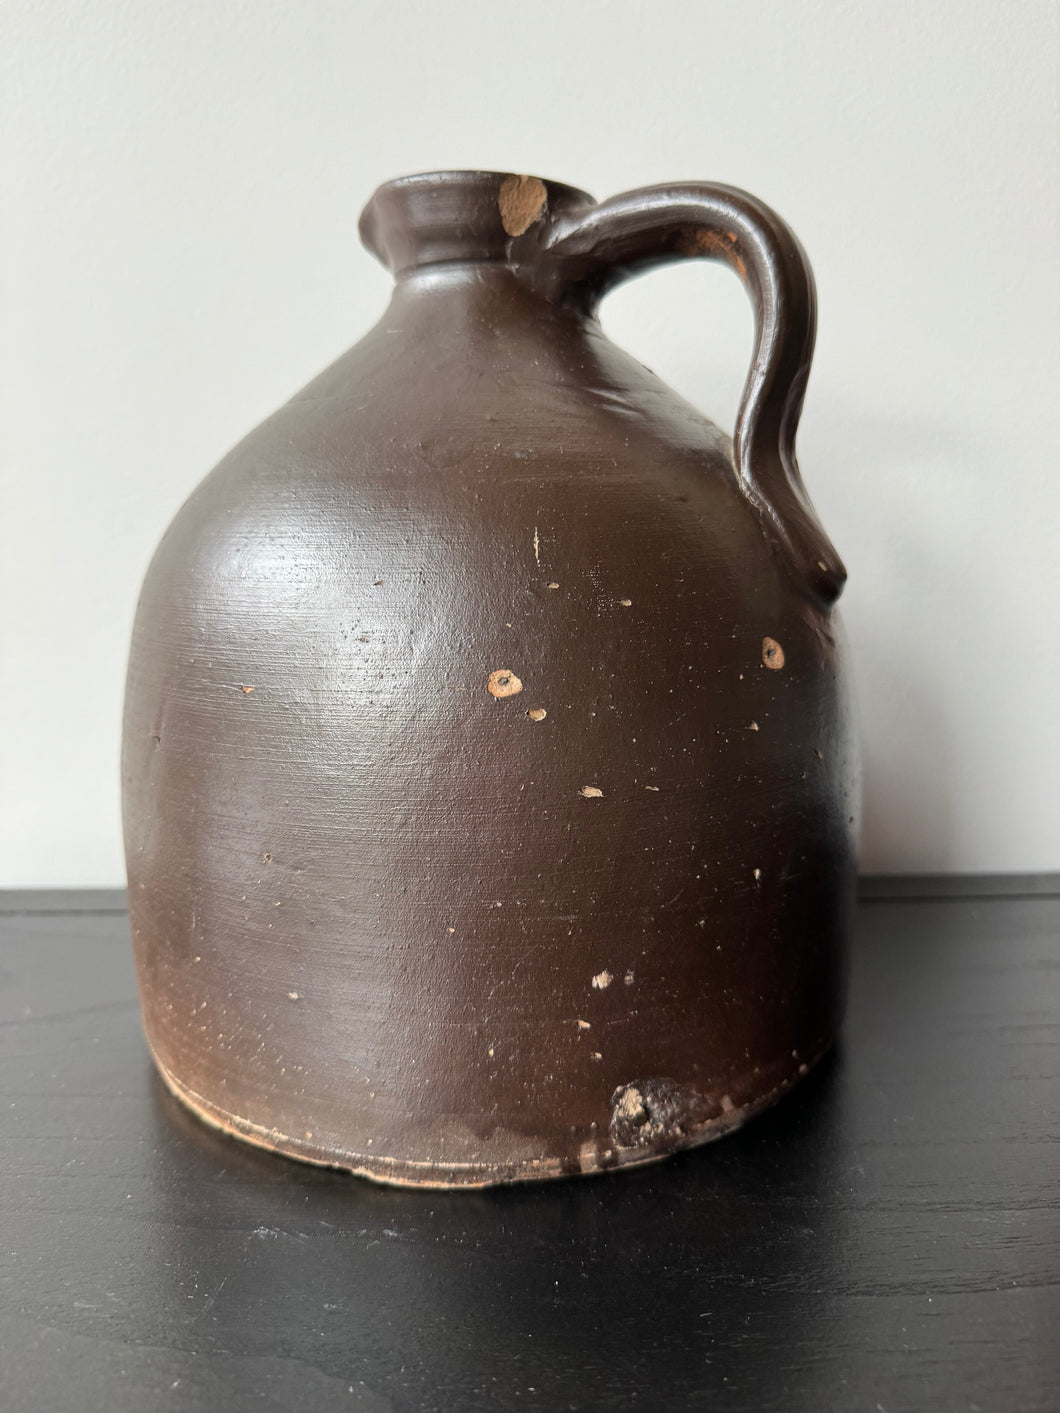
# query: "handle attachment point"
{"points": [[588, 253]]}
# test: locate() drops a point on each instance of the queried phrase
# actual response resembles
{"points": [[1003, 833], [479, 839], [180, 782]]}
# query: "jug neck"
{"points": [[470, 301], [446, 218]]}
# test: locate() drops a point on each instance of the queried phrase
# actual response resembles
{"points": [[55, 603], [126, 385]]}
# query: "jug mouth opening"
{"points": [[432, 218]]}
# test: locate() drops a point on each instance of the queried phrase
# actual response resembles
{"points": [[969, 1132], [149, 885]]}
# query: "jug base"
{"points": [[402, 1172]]}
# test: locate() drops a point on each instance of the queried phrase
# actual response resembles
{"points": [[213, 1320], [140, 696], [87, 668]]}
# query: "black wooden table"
{"points": [[888, 1238]]}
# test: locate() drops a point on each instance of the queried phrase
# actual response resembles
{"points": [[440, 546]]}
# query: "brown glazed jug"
{"points": [[489, 776]]}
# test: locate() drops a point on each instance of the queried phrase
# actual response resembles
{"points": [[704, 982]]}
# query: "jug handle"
{"points": [[591, 252]]}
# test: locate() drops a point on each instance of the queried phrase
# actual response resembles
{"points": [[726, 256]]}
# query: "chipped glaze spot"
{"points": [[772, 654], [503, 683], [521, 200]]}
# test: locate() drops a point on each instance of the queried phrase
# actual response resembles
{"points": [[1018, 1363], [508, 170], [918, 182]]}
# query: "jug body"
{"points": [[489, 769]]}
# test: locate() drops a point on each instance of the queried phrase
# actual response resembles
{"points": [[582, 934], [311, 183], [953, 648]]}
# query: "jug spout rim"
{"points": [[429, 218]]}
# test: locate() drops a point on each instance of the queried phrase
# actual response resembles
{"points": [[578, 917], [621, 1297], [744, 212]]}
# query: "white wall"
{"points": [[181, 182]]}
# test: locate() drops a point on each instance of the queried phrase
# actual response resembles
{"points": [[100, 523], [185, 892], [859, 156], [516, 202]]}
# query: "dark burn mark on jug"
{"points": [[650, 1112]]}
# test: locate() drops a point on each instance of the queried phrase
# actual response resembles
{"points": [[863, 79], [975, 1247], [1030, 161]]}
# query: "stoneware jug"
{"points": [[490, 785]]}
